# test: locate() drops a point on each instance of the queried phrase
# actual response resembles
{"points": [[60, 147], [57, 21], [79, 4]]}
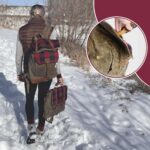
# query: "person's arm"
{"points": [[59, 76], [19, 58], [58, 69]]}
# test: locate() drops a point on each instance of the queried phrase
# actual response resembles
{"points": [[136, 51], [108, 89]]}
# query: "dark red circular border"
{"points": [[134, 10]]}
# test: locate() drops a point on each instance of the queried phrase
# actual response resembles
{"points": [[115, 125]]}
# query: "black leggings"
{"points": [[29, 107]]}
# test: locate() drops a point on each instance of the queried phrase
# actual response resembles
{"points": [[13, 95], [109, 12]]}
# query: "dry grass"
{"points": [[76, 53], [140, 85]]}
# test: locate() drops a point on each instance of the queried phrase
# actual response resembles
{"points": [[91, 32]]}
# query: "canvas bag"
{"points": [[54, 102], [43, 58], [107, 51]]}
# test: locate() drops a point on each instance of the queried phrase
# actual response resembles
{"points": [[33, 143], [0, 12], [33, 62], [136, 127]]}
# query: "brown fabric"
{"points": [[107, 52], [35, 25], [54, 102], [26, 33]]}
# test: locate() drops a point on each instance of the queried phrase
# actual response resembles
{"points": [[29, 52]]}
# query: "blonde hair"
{"points": [[37, 10]]}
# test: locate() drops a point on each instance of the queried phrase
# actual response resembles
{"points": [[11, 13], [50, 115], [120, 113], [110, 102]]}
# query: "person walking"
{"points": [[36, 24]]}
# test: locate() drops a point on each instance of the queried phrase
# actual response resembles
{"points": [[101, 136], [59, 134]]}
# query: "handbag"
{"points": [[54, 102]]}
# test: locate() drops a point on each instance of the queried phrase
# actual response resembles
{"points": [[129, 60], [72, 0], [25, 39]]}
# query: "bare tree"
{"points": [[73, 20]]}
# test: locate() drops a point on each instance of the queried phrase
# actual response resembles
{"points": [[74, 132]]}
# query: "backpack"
{"points": [[42, 59]]}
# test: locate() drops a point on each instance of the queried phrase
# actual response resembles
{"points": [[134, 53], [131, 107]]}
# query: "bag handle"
{"points": [[35, 37], [51, 44], [58, 85], [47, 33]]}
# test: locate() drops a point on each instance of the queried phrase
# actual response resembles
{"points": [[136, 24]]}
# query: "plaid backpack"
{"points": [[42, 59]]}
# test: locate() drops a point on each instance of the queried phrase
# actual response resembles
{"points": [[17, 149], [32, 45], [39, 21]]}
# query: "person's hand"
{"points": [[126, 23], [21, 77], [122, 22], [60, 81]]}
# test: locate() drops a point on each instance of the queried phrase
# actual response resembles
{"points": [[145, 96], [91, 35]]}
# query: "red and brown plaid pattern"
{"points": [[46, 57]]}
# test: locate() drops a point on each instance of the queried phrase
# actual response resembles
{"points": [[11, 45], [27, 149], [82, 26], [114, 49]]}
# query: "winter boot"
{"points": [[31, 134], [39, 132]]}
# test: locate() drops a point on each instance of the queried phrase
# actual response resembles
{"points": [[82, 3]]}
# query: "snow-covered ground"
{"points": [[99, 115]]}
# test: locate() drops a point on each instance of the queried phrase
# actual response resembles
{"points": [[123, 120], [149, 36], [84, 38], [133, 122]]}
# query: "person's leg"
{"points": [[42, 90], [29, 106]]}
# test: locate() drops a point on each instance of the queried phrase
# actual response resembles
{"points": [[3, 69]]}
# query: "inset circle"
{"points": [[117, 47]]}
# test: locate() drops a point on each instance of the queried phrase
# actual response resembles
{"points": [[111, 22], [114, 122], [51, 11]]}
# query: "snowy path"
{"points": [[98, 116]]}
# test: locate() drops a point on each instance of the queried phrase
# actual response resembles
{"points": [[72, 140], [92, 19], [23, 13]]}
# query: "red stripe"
{"points": [[36, 56], [46, 54], [51, 56]]}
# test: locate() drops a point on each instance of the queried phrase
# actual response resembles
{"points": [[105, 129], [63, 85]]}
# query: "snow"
{"points": [[100, 114]]}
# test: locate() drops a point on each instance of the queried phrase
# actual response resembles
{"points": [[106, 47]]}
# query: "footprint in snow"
{"points": [[118, 121]]}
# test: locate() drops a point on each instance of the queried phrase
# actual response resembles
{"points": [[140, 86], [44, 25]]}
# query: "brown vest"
{"points": [[26, 33]]}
